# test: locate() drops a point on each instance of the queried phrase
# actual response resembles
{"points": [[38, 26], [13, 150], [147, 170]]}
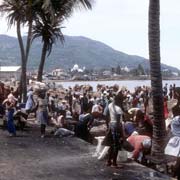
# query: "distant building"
{"points": [[60, 74], [77, 69], [10, 73], [126, 69], [107, 73], [57, 72], [175, 74]]}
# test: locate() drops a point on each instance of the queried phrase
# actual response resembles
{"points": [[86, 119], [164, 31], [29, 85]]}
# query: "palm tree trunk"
{"points": [[23, 62], [156, 78], [24, 57], [41, 65], [29, 38]]}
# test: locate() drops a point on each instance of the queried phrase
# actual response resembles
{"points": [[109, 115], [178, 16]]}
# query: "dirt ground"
{"points": [[29, 157]]}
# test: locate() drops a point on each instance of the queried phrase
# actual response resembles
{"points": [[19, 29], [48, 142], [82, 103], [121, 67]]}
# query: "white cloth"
{"points": [[29, 102], [62, 132], [173, 147], [101, 151]]}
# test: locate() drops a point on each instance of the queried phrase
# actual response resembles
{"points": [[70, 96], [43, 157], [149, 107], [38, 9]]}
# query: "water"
{"points": [[129, 84]]}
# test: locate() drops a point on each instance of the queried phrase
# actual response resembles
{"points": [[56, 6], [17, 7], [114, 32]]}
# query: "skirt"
{"points": [[43, 117]]}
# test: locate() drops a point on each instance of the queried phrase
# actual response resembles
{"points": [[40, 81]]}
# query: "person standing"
{"points": [[76, 106], [173, 146], [2, 110], [165, 90], [30, 104], [174, 89], [170, 91], [84, 101], [42, 111], [115, 129], [10, 104]]}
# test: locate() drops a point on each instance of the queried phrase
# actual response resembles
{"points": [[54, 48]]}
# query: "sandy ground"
{"points": [[29, 157]]}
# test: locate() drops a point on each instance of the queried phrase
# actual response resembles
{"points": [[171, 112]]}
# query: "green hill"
{"points": [[76, 50]]}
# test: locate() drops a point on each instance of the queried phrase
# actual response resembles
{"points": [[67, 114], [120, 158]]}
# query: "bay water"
{"points": [[129, 84]]}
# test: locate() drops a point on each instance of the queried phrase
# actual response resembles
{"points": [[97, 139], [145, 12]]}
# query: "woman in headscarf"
{"points": [[30, 101]]}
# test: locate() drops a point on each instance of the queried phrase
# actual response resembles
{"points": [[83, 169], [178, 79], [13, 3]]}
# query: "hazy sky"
{"points": [[123, 25]]}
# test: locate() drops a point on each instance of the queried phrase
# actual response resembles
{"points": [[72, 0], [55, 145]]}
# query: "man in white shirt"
{"points": [[115, 131]]}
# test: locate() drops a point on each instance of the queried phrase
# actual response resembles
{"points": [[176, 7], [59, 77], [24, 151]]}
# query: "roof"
{"points": [[9, 68]]}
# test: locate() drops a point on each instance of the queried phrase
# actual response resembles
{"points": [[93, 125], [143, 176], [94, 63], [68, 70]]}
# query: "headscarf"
{"points": [[146, 143]]}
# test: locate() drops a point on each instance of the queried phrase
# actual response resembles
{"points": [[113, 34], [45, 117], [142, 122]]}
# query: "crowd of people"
{"points": [[75, 110]]}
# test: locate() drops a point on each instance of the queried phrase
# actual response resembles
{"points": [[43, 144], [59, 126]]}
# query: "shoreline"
{"points": [[124, 78], [109, 79]]}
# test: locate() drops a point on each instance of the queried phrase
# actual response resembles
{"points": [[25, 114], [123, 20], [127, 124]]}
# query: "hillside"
{"points": [[76, 50]]}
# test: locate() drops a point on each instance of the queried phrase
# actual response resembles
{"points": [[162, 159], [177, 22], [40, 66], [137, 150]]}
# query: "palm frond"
{"points": [[86, 3], [14, 10], [48, 31]]}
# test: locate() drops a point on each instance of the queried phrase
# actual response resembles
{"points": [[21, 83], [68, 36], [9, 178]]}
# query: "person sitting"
{"points": [[84, 124], [61, 127], [58, 121], [97, 110], [144, 125], [20, 116]]}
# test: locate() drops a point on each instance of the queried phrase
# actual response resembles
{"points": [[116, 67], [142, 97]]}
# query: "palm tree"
{"points": [[20, 12], [47, 26], [49, 33], [156, 78], [24, 12]]}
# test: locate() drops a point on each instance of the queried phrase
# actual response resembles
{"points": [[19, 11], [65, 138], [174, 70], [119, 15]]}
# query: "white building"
{"points": [[126, 69], [77, 69], [107, 73], [10, 73], [59, 74]]}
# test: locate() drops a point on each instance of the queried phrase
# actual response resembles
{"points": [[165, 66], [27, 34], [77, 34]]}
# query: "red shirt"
{"points": [[136, 142]]}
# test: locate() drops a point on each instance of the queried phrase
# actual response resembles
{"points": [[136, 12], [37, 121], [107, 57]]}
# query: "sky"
{"points": [[123, 25]]}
